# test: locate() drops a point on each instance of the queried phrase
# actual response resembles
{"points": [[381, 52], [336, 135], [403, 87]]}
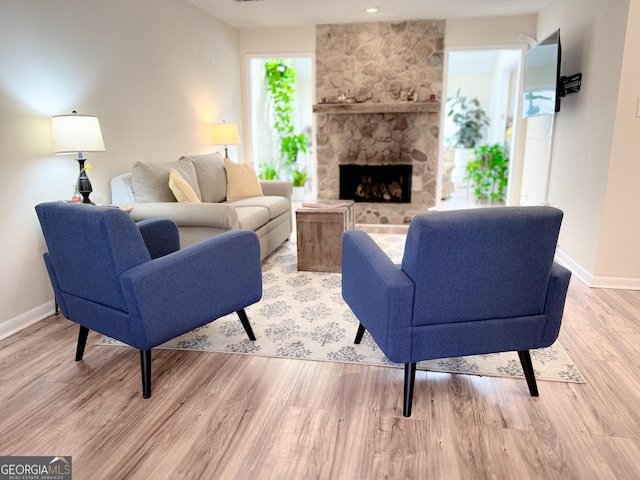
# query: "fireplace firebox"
{"points": [[376, 183]]}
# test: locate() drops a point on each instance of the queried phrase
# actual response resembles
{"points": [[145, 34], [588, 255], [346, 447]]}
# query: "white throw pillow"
{"points": [[181, 189]]}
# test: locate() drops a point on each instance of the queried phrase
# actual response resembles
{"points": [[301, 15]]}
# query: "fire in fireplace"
{"points": [[376, 183]]}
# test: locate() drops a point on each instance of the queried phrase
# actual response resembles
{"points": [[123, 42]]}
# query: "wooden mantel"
{"points": [[398, 107]]}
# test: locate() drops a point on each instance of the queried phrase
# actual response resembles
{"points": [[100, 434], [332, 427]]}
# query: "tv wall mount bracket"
{"points": [[570, 84]]}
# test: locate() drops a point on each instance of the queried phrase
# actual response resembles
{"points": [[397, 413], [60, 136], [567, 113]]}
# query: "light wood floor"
{"points": [[243, 417]]}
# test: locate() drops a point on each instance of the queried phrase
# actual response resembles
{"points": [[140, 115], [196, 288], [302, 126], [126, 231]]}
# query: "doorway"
{"points": [[265, 144], [493, 77]]}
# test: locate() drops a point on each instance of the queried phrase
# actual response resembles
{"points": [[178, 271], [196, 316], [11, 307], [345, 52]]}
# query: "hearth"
{"points": [[376, 183]]}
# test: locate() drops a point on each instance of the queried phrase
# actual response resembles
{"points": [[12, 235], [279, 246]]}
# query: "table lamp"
{"points": [[76, 134], [225, 134]]}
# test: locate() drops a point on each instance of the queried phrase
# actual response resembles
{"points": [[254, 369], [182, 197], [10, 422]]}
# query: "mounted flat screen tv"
{"points": [[542, 82]]}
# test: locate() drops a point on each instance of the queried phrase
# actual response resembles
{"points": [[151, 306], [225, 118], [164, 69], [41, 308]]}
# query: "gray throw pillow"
{"points": [[212, 177], [150, 180]]}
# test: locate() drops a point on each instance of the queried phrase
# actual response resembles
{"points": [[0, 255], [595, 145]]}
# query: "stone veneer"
{"points": [[378, 63]]}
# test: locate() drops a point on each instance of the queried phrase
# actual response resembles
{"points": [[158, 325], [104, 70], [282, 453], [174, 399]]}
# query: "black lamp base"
{"points": [[84, 184], [85, 198]]}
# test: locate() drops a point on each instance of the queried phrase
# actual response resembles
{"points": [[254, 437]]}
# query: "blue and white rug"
{"points": [[302, 315]]}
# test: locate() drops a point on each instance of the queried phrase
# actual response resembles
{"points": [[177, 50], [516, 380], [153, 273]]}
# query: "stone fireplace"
{"points": [[378, 86]]}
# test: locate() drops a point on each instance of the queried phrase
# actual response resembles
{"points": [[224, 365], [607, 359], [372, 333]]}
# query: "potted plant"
{"points": [[488, 172], [268, 171], [298, 180], [470, 120]]}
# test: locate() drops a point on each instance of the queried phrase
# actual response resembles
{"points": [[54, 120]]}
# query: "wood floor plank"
{"points": [[317, 385], [302, 446], [562, 431], [621, 455]]}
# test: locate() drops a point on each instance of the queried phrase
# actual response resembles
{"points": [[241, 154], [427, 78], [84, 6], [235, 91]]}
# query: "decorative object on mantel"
{"points": [[77, 134], [411, 95]]}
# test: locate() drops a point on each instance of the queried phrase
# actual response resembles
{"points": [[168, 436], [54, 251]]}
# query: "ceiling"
{"points": [[280, 13]]}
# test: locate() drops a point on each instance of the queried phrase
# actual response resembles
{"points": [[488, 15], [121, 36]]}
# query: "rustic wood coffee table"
{"points": [[319, 233]]}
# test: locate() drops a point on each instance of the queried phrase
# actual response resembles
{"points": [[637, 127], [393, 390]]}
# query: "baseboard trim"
{"points": [[14, 325], [576, 269], [618, 283]]}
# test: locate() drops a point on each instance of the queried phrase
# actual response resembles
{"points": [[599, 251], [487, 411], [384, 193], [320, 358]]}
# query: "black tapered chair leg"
{"points": [[409, 382], [245, 323], [359, 334], [527, 366], [82, 342], [145, 364]]}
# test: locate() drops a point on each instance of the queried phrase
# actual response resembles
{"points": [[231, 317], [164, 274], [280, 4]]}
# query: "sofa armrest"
{"points": [[176, 293], [276, 188], [122, 189], [379, 293], [214, 215]]}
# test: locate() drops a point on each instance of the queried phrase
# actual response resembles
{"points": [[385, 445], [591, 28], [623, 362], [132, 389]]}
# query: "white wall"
{"points": [[618, 256], [488, 31], [596, 140], [157, 73]]}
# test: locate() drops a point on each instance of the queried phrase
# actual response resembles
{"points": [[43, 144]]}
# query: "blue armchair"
{"points": [[132, 282], [471, 282]]}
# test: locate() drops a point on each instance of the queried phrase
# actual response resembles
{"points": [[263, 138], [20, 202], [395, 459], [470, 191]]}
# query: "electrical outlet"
{"points": [[638, 108]]}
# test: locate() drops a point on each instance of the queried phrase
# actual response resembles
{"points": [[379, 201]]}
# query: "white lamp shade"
{"points": [[76, 133], [225, 134]]}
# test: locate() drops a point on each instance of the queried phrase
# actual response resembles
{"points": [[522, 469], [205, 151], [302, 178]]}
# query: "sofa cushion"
{"points": [[212, 178], [151, 180], [252, 218], [181, 188], [275, 205], [242, 180]]}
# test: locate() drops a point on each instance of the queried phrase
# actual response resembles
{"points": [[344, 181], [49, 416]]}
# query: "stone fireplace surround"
{"points": [[379, 63]]}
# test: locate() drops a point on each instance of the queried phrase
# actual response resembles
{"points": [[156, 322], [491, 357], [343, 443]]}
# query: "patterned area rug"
{"points": [[302, 315]]}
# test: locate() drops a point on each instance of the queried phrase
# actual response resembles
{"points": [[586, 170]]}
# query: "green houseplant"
{"points": [[470, 120], [268, 171], [281, 77], [298, 180], [488, 172], [299, 177]]}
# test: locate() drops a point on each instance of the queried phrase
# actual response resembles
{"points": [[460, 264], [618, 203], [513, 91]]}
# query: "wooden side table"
{"points": [[319, 234]]}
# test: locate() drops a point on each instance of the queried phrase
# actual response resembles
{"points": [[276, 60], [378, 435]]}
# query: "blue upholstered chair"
{"points": [[471, 282], [132, 282]]}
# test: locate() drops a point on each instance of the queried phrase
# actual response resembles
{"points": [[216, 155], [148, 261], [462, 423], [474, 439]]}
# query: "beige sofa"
{"points": [[147, 190]]}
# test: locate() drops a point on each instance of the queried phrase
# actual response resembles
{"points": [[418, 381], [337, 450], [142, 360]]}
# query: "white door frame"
{"points": [[519, 124]]}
